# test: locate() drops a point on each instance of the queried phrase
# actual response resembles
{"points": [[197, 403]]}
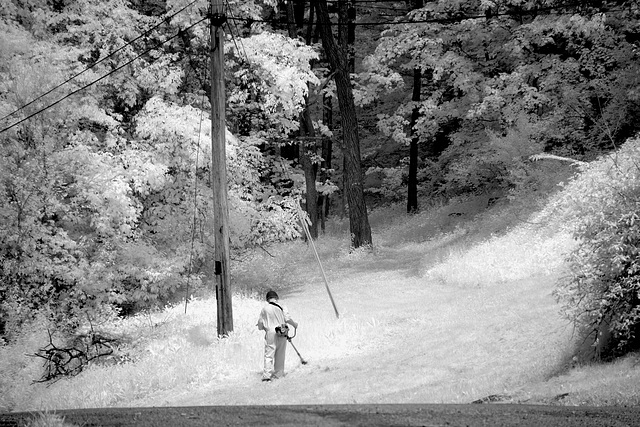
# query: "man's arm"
{"points": [[288, 319], [260, 323]]}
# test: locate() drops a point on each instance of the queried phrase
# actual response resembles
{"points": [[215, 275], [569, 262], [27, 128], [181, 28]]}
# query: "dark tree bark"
{"points": [[327, 143], [327, 152], [291, 20], [353, 178], [307, 140], [351, 35], [412, 186], [308, 134]]}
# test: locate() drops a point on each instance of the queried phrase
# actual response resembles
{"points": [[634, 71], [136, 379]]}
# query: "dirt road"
{"points": [[348, 415]]}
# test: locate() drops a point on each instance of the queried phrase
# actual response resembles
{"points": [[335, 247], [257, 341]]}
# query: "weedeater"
{"points": [[289, 338]]}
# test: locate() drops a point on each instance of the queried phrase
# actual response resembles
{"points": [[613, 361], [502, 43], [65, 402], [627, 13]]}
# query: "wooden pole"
{"points": [[219, 171]]}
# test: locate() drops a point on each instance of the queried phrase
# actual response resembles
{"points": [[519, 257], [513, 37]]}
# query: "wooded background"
{"points": [[105, 134]]}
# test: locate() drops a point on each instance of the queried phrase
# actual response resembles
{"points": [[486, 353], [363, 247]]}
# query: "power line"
{"points": [[455, 18], [387, 7], [166, 19], [235, 24], [347, 2], [103, 77]]}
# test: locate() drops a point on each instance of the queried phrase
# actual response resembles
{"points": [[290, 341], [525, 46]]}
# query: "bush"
{"points": [[601, 295]]}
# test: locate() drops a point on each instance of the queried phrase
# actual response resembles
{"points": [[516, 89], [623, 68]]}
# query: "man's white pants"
{"points": [[275, 348]]}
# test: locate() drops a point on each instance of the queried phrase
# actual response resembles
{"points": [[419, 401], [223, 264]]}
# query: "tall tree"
{"points": [[500, 89], [338, 59], [101, 189], [327, 153], [412, 181], [307, 139]]}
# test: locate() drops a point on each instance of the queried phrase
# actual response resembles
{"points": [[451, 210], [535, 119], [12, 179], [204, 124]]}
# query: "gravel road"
{"points": [[347, 415]]}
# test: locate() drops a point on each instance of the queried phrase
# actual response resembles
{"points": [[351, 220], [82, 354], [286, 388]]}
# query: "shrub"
{"points": [[601, 295]]}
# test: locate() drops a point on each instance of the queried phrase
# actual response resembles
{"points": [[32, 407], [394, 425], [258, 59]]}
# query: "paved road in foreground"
{"points": [[347, 415]]}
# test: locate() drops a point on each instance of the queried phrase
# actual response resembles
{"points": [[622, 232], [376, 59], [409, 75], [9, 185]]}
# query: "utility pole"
{"points": [[219, 171]]}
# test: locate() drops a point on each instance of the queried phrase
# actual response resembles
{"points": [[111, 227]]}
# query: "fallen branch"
{"points": [[543, 156], [72, 358]]}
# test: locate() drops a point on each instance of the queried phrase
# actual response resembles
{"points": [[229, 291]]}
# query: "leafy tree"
{"points": [[105, 196], [554, 73], [104, 192], [601, 294]]}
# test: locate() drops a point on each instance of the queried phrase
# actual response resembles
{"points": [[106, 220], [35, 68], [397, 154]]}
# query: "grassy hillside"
{"points": [[449, 308]]}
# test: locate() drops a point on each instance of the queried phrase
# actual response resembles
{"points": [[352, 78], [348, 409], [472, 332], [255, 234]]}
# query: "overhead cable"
{"points": [[146, 33], [103, 77], [235, 24], [454, 18]]}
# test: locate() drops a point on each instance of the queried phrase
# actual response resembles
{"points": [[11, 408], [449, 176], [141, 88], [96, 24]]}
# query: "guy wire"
{"points": [[303, 221], [195, 188], [233, 37]]}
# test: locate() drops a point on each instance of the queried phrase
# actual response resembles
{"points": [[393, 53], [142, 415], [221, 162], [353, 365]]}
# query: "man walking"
{"points": [[273, 320]]}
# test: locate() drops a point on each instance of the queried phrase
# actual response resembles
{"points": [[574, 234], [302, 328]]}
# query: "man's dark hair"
{"points": [[271, 295]]}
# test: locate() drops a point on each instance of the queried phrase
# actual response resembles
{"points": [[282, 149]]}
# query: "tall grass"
{"points": [[525, 252], [169, 350], [45, 419], [441, 310]]}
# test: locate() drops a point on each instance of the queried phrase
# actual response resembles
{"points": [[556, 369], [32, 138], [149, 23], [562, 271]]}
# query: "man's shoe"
{"points": [[266, 379]]}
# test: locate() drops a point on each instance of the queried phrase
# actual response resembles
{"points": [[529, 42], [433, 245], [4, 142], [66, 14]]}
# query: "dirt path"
{"points": [[348, 415], [402, 359]]}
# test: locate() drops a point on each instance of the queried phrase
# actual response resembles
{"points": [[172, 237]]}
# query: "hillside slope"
{"points": [[452, 316]]}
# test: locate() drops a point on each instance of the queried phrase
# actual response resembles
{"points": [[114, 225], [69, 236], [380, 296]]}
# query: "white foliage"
{"points": [[161, 75], [146, 175], [284, 67], [162, 118], [394, 126], [103, 188], [322, 129], [326, 188]]}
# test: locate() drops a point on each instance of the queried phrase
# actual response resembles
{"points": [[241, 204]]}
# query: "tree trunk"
{"points": [[310, 170], [351, 35], [324, 201], [353, 178], [307, 133], [327, 152], [412, 184], [412, 187]]}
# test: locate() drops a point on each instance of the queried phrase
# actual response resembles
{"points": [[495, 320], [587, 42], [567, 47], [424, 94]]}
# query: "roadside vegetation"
{"points": [[471, 275], [444, 309]]}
